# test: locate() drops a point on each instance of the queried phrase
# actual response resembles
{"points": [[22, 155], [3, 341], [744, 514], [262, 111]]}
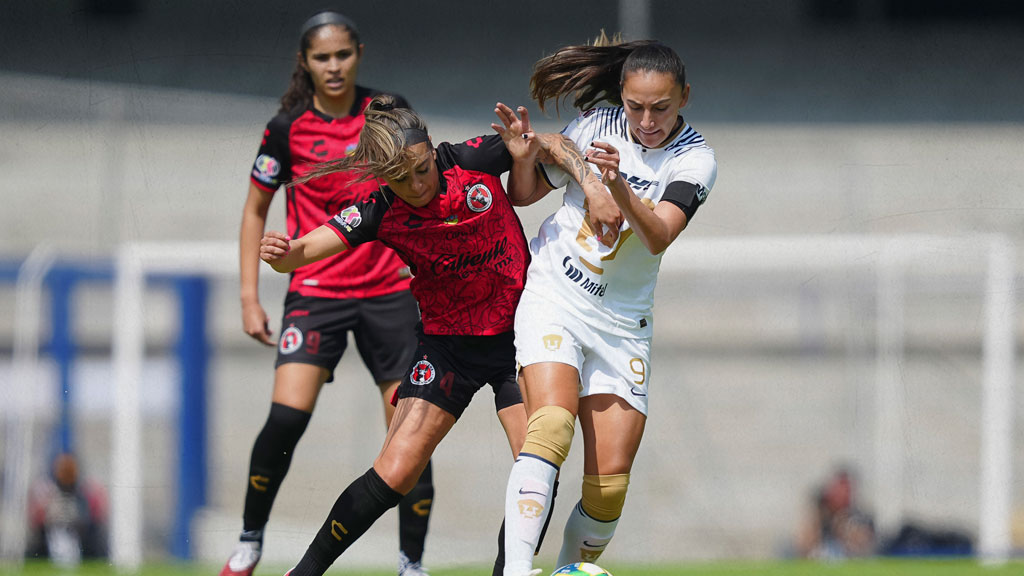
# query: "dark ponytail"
{"points": [[299, 94], [595, 72]]}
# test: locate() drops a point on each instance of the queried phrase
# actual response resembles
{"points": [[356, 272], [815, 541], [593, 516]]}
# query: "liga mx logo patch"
{"points": [[291, 340], [479, 198], [422, 373], [267, 167], [349, 218]]}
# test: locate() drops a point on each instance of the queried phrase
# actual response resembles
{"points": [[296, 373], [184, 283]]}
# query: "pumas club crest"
{"points": [[478, 198], [422, 373]]}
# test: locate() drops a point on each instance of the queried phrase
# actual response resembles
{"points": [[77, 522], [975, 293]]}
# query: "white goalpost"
{"points": [[134, 262], [881, 258], [887, 258]]}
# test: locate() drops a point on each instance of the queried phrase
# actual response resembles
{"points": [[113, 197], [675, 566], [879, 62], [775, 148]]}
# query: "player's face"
{"points": [[332, 62], [652, 101], [420, 183]]}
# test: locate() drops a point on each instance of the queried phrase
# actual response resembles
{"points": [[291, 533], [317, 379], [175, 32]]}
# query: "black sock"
{"points": [[271, 457], [547, 521], [359, 506], [499, 562], [414, 515]]}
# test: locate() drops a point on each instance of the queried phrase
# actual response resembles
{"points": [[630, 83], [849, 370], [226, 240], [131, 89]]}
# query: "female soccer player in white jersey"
{"points": [[583, 327]]}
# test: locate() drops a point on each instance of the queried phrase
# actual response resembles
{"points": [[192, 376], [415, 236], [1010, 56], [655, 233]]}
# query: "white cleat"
{"points": [[244, 560], [408, 568]]}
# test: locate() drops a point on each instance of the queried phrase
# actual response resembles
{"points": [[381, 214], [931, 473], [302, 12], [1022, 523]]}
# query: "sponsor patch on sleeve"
{"points": [[349, 218], [266, 169]]}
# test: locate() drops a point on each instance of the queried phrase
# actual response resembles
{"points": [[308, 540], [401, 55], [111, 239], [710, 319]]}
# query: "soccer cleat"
{"points": [[243, 561], [409, 568]]}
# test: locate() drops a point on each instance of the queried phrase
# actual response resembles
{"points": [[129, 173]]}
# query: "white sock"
{"points": [[584, 538], [527, 504]]}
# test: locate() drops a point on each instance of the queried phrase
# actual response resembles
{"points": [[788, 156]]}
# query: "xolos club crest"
{"points": [[291, 340], [478, 198], [422, 373]]}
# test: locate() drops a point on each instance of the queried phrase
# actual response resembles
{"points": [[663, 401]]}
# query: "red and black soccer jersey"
{"points": [[292, 144], [466, 247]]}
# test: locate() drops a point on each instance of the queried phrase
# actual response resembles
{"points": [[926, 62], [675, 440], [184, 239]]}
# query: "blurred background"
{"points": [[836, 330]]}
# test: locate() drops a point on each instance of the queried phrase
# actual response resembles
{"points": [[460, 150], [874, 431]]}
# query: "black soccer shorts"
{"points": [[315, 331], [448, 370]]}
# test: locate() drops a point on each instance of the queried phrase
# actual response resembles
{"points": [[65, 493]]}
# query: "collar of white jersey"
{"points": [[672, 138]]}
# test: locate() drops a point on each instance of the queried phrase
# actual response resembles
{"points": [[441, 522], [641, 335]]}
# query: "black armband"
{"points": [[686, 195]]}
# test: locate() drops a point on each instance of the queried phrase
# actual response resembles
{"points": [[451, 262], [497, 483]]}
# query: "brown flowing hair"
{"points": [[299, 94], [593, 73], [381, 151]]}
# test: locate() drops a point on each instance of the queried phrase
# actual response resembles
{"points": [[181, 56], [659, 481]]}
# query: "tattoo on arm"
{"points": [[570, 159]]}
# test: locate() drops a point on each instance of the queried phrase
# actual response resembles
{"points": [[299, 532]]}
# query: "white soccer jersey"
{"points": [[612, 288]]}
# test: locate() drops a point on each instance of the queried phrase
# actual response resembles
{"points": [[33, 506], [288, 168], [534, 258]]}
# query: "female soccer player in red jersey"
{"points": [[364, 290], [446, 214]]}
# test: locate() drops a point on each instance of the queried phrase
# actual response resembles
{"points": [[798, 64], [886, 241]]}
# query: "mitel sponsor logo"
{"points": [[639, 184], [577, 276], [463, 264]]}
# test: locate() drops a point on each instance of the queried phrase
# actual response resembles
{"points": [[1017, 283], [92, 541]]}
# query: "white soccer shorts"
{"points": [[608, 364]]}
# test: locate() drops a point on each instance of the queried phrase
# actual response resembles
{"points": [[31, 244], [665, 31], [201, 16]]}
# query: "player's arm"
{"points": [[254, 220], [605, 217], [285, 255], [656, 227]]}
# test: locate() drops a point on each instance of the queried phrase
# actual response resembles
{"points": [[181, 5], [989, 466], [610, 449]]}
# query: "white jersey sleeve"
{"points": [[700, 168], [582, 130]]}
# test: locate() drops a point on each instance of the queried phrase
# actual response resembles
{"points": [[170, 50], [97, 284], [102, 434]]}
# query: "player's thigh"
{"points": [[416, 429], [612, 429], [298, 385], [550, 354], [386, 334]]}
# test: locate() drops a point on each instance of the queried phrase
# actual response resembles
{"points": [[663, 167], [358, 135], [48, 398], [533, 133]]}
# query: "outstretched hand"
{"points": [[274, 246], [515, 131]]}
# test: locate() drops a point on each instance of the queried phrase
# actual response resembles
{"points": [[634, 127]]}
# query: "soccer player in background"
{"points": [[364, 290], [583, 327], [446, 214]]}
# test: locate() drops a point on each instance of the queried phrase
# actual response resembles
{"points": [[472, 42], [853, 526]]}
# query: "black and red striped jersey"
{"points": [[466, 247], [292, 144]]}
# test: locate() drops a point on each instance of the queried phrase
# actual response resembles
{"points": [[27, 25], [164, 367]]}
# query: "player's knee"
{"points": [[400, 478], [604, 495], [287, 423], [549, 434]]}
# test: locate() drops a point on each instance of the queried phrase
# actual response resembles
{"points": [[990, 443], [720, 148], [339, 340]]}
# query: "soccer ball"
{"points": [[582, 569]]}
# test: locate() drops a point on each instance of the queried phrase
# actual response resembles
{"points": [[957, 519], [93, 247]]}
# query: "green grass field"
{"points": [[860, 568]]}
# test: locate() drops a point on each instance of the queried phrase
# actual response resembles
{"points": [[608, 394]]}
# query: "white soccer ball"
{"points": [[581, 569]]}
